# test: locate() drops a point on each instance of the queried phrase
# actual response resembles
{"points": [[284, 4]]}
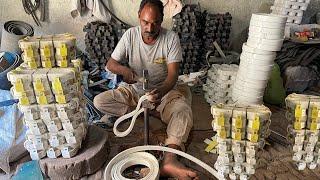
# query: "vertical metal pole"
{"points": [[146, 110]]}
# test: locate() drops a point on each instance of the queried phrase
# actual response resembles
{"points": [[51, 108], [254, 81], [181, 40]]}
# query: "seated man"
{"points": [[157, 50]]}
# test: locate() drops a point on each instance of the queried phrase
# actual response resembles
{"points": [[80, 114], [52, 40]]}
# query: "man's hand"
{"points": [[155, 95], [129, 76]]}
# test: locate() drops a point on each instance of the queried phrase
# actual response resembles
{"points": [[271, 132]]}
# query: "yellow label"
{"points": [[237, 136], [32, 64], [254, 138], [221, 120], [314, 113], [29, 52], [43, 100], [298, 111], [47, 63], [211, 146], [18, 85], [46, 51], [63, 63], [24, 101], [56, 84], [222, 134], [61, 99], [256, 123], [238, 122], [38, 86], [297, 125], [160, 60], [313, 126], [63, 50]]}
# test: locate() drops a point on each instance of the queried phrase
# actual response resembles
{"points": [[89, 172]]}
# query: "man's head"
{"points": [[150, 16]]}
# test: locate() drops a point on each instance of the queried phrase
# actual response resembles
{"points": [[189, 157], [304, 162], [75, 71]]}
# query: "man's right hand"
{"points": [[116, 68], [129, 76]]}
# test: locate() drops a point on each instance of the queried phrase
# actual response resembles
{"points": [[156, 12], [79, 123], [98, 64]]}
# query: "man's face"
{"points": [[150, 21]]}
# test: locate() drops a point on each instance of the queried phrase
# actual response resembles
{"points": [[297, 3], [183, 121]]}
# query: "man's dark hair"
{"points": [[156, 3]]}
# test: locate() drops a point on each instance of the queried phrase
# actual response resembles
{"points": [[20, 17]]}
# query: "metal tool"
{"points": [[146, 108]]}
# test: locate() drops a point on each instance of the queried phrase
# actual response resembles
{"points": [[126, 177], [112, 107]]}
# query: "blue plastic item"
{"points": [[29, 171], [14, 60]]}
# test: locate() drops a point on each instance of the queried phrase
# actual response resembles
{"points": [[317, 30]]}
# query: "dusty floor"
{"points": [[275, 160]]}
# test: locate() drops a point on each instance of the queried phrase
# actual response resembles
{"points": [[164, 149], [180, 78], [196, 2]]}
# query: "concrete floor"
{"points": [[275, 159]]}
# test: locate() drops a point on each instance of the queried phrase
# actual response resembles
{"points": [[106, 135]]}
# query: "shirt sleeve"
{"points": [[120, 53], [175, 51]]}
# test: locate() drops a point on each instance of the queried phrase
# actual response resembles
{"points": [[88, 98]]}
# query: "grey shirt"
{"points": [[154, 57]]}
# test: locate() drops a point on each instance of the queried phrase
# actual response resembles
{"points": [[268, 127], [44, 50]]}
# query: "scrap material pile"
{"points": [[303, 113], [241, 131], [266, 35], [219, 84], [299, 65], [292, 9], [48, 86]]}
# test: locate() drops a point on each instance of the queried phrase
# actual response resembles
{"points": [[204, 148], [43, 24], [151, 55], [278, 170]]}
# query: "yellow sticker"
{"points": [[238, 122], [24, 101], [46, 51], [160, 60], [237, 136], [211, 146], [32, 64], [298, 111], [221, 120], [314, 112], [222, 134], [47, 63], [63, 50], [254, 138], [18, 85], [43, 100], [297, 125], [63, 63], [56, 84], [29, 52], [256, 123], [61, 99], [38, 86], [313, 126]]}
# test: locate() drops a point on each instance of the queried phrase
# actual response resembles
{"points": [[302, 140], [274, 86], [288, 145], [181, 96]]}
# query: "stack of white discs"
{"points": [[293, 9], [266, 35], [304, 117], [218, 88]]}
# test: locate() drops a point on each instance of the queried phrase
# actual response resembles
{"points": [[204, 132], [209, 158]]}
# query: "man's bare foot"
{"points": [[171, 167]]}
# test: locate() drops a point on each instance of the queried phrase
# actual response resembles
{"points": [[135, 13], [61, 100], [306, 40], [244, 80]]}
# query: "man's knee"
{"points": [[101, 100]]}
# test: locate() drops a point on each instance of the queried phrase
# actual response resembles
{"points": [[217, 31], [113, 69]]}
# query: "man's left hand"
{"points": [[155, 95]]}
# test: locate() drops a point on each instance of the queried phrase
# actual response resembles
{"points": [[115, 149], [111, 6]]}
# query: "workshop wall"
{"points": [[59, 19]]}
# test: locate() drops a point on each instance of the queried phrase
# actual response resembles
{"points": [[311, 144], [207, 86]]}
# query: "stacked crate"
{"points": [[304, 117], [48, 86], [241, 131]]}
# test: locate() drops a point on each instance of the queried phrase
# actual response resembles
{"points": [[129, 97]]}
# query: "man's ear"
{"points": [[139, 14]]}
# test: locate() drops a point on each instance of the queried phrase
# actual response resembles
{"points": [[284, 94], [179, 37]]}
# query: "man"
{"points": [[151, 47]]}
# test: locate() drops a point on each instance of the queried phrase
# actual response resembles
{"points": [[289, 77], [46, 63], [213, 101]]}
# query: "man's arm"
{"points": [[168, 84], [116, 68]]}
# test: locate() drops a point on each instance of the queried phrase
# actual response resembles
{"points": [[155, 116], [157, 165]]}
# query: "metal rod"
{"points": [[146, 126]]}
